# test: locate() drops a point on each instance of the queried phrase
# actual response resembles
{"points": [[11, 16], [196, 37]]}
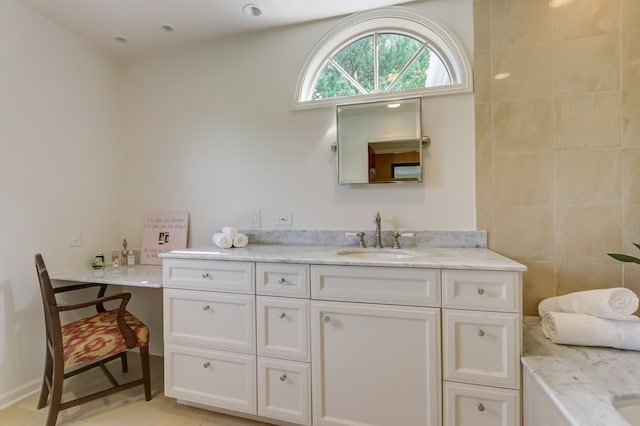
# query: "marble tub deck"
{"points": [[582, 381]]}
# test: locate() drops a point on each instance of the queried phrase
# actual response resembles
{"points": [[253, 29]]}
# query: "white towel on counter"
{"points": [[229, 231], [241, 240], [587, 330], [222, 240], [612, 303]]}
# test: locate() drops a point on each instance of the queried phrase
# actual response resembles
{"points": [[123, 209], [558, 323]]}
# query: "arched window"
{"points": [[385, 53]]}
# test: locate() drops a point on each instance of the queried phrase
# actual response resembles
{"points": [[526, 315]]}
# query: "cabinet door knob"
{"points": [[205, 275], [481, 291], [206, 365], [281, 280], [480, 332], [283, 377], [480, 406], [282, 315], [326, 318], [206, 307]]}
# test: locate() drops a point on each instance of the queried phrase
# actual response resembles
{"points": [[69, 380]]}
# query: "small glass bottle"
{"points": [[131, 258]]}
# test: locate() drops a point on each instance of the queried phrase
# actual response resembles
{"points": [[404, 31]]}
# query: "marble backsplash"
{"points": [[422, 239]]}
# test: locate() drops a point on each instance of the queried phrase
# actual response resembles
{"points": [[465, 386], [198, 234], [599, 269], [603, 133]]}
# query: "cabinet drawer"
{"points": [[233, 277], [284, 390], [469, 405], [283, 327], [399, 286], [481, 290], [281, 279], [220, 379], [214, 320], [481, 348]]}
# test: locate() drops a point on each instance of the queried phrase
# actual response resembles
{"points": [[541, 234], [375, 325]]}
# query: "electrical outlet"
{"points": [[75, 238], [284, 219], [256, 221]]}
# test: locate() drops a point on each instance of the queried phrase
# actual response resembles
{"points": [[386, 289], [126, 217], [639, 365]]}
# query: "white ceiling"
{"points": [[141, 21]]}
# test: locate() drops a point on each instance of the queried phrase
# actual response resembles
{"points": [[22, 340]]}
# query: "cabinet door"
{"points": [[215, 378], [283, 327], [214, 320], [469, 405], [284, 390], [375, 365], [481, 348]]}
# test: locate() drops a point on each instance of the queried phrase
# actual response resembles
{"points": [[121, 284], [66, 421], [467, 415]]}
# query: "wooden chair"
{"points": [[91, 342]]}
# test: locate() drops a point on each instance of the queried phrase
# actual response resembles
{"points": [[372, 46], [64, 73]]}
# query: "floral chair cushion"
{"points": [[99, 336]]}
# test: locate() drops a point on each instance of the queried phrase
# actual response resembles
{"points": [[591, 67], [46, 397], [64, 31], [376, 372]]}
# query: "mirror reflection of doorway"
{"points": [[394, 161]]}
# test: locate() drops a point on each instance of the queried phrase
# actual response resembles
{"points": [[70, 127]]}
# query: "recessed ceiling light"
{"points": [[168, 28], [393, 105], [252, 10], [121, 40], [502, 76], [559, 3]]}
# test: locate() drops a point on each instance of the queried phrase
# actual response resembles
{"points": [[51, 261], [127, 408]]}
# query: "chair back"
{"points": [[49, 303]]}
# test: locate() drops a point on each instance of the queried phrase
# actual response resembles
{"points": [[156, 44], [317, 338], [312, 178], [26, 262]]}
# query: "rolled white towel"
{"points": [[240, 241], [612, 303], [229, 231], [222, 240], [587, 330]]}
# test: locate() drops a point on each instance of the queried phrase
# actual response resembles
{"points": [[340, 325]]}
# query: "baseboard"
{"points": [[20, 393]]}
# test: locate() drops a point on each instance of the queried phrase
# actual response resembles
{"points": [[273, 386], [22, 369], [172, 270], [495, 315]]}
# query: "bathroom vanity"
{"points": [[324, 336]]}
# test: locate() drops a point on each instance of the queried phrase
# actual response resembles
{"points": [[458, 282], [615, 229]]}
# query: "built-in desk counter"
{"points": [[134, 276]]}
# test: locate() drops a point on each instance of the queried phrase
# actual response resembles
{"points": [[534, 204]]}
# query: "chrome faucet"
{"points": [[376, 220]]}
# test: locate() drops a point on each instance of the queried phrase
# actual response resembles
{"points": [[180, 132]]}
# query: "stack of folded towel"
{"points": [[593, 318], [229, 237]]}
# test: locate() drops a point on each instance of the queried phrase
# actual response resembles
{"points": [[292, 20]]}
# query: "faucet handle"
{"points": [[360, 236], [396, 236]]}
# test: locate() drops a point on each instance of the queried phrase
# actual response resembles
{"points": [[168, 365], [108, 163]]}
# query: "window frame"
{"points": [[394, 19]]}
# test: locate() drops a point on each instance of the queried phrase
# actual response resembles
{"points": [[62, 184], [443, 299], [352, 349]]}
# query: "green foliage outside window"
{"points": [[403, 63]]}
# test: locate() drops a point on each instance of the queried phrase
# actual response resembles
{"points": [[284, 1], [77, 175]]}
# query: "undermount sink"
{"points": [[629, 408], [374, 253]]}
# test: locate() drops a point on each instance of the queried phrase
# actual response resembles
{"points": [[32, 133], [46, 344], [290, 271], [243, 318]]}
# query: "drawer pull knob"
{"points": [[326, 318], [283, 377], [205, 275], [281, 280], [282, 315], [480, 406], [481, 291], [480, 332], [206, 365], [206, 307]]}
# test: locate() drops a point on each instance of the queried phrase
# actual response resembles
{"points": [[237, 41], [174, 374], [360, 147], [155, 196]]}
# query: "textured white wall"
{"points": [[59, 170], [210, 129]]}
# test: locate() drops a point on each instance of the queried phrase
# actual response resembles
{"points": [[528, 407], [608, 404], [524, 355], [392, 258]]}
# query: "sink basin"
{"points": [[374, 253], [629, 408]]}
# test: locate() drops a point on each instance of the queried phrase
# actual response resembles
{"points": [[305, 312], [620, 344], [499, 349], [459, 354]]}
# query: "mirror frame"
{"points": [[361, 125]]}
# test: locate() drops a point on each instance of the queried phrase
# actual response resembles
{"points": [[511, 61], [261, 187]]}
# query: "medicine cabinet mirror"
{"points": [[380, 142]]}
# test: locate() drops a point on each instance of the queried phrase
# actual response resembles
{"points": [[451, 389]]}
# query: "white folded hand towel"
{"points": [[229, 231], [587, 330], [612, 303], [222, 240], [240, 241]]}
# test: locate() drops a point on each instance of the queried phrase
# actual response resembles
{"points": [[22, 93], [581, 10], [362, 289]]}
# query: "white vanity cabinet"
{"points": [[481, 323], [284, 373], [375, 363], [210, 335], [337, 344]]}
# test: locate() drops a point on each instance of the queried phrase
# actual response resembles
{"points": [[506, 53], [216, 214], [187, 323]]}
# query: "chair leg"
{"points": [[123, 360], [56, 394], [146, 372], [46, 379]]}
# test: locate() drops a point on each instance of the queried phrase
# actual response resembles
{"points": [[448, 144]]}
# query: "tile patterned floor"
{"points": [[124, 408]]}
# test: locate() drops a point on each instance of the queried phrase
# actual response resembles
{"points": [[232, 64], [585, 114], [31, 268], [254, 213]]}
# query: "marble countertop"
{"points": [[582, 381], [133, 276], [450, 258]]}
